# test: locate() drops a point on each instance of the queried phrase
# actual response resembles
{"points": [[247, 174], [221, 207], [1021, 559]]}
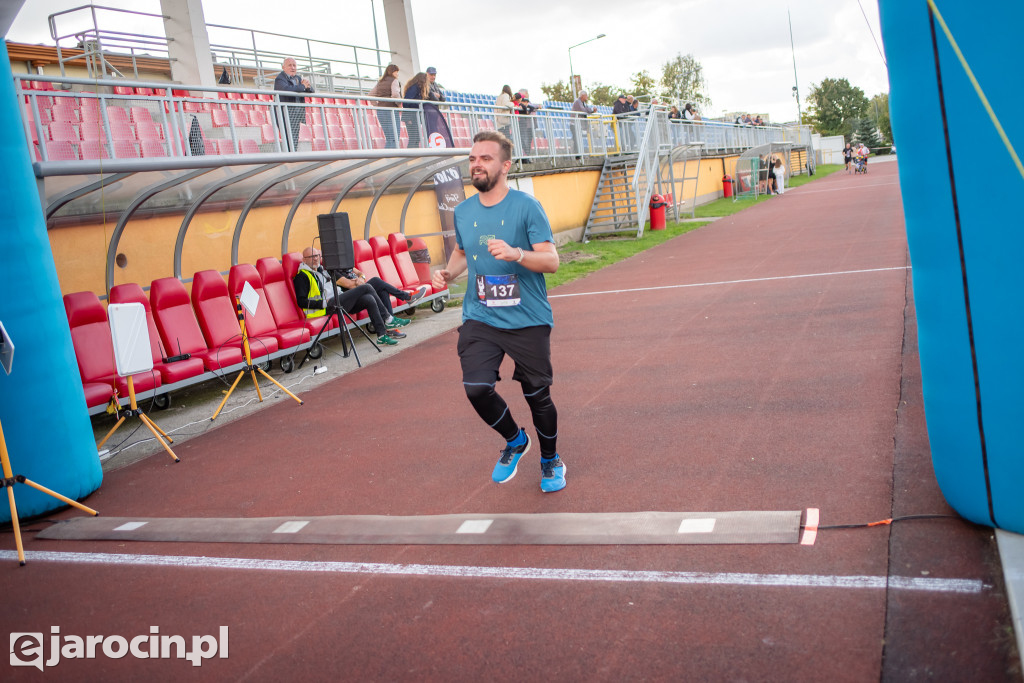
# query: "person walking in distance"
{"points": [[505, 243]]}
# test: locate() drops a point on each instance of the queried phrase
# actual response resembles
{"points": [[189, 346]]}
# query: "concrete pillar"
{"points": [[189, 43], [402, 37]]}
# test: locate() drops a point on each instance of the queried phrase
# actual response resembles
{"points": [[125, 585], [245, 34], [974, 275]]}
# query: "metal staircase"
{"points": [[614, 209]]}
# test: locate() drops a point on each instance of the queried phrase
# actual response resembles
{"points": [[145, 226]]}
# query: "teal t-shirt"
{"points": [[520, 221]]}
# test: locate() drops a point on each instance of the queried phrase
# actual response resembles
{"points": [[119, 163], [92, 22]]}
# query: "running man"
{"points": [[504, 240]]}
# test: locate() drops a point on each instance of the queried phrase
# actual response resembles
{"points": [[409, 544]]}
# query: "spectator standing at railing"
{"points": [[582, 110], [414, 90], [621, 109], [674, 114], [524, 108], [690, 112], [502, 103], [388, 86], [290, 81], [433, 119]]}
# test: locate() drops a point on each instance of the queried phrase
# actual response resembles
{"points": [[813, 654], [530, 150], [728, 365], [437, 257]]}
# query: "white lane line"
{"points": [[697, 526], [290, 527], [474, 526], [130, 526], [966, 586], [731, 282]]}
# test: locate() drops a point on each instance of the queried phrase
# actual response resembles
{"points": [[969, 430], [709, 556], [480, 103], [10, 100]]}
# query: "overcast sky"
{"points": [[480, 45]]}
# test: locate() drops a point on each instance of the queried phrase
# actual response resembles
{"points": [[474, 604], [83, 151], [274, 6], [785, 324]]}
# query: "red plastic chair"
{"points": [[92, 149], [179, 329], [152, 148], [280, 293], [263, 324], [94, 348], [88, 321], [170, 373], [403, 263], [386, 265], [215, 310], [62, 130], [61, 150]]}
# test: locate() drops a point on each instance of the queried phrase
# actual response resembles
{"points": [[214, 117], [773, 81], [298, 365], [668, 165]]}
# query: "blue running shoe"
{"points": [[552, 474], [505, 469]]}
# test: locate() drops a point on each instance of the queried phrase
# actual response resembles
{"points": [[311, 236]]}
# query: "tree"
{"points": [[682, 79], [833, 106], [880, 114], [559, 92], [643, 83], [603, 94], [864, 131]]}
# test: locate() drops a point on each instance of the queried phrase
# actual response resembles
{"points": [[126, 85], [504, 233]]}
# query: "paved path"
{"points": [[765, 362]]}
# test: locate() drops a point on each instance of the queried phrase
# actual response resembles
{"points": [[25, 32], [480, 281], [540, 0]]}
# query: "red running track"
{"points": [[764, 362]]}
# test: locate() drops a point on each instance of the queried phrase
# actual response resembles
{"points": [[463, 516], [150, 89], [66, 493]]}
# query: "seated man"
{"points": [[353, 277], [315, 295]]}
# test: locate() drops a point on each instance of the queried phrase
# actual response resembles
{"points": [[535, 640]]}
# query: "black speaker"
{"points": [[336, 241]]}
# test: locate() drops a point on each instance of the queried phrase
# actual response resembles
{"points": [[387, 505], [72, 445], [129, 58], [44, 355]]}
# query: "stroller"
{"points": [[860, 164]]}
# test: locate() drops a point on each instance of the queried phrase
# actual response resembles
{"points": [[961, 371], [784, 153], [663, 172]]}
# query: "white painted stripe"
{"points": [[697, 526], [130, 526], [290, 527], [474, 526], [969, 586], [731, 282]]}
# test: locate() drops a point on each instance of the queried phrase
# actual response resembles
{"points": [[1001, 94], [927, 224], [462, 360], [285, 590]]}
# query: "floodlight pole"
{"points": [[796, 85], [572, 74]]}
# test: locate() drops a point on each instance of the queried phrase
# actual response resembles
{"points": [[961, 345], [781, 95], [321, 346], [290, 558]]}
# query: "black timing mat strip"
{"points": [[605, 528]]}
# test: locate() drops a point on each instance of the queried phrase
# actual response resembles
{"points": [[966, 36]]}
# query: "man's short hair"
{"points": [[495, 136]]}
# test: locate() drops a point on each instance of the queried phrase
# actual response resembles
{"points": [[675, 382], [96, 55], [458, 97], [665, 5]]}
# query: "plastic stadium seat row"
{"points": [[204, 325]]}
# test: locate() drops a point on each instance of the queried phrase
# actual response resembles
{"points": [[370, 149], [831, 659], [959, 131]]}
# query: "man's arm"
{"points": [[456, 267], [542, 259]]}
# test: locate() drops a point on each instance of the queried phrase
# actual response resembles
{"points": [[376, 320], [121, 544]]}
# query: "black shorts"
{"points": [[483, 347]]}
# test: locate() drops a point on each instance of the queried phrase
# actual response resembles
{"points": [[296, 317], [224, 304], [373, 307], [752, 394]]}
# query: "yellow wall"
{"points": [[148, 243]]}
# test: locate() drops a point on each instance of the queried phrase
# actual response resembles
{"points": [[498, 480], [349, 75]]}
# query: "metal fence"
{"points": [[79, 119]]}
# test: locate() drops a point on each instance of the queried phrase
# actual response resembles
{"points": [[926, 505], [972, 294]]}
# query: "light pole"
{"points": [[572, 75], [796, 84]]}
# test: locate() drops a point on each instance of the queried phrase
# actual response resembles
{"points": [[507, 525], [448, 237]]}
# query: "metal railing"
{"points": [[73, 119], [329, 65]]}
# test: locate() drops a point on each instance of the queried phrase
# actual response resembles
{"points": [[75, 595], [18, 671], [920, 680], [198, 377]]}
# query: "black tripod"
{"points": [[337, 312]]}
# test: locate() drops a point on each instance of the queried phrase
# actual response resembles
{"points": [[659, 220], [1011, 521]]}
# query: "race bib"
{"points": [[498, 290]]}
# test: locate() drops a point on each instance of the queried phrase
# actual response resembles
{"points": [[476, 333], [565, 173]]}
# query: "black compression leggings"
{"points": [[493, 410]]}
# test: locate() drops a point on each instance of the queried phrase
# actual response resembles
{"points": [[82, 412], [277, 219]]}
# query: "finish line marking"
{"points": [[961, 586], [730, 282]]}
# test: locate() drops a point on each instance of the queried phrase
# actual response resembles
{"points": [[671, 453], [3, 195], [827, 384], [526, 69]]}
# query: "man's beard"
{"points": [[485, 183]]}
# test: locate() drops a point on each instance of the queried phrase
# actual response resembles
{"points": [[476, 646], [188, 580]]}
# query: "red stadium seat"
{"points": [[92, 149], [62, 130], [94, 348], [169, 372], [125, 149], [386, 265], [403, 263], [61, 150], [88, 323], [215, 310], [281, 298], [152, 148], [116, 114], [263, 324], [365, 263], [179, 330], [248, 146]]}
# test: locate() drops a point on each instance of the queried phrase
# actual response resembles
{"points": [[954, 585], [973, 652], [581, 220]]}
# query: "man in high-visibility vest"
{"points": [[315, 293]]}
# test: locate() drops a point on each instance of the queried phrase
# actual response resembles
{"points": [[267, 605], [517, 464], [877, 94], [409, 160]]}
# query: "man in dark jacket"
{"points": [[621, 109], [290, 81]]}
